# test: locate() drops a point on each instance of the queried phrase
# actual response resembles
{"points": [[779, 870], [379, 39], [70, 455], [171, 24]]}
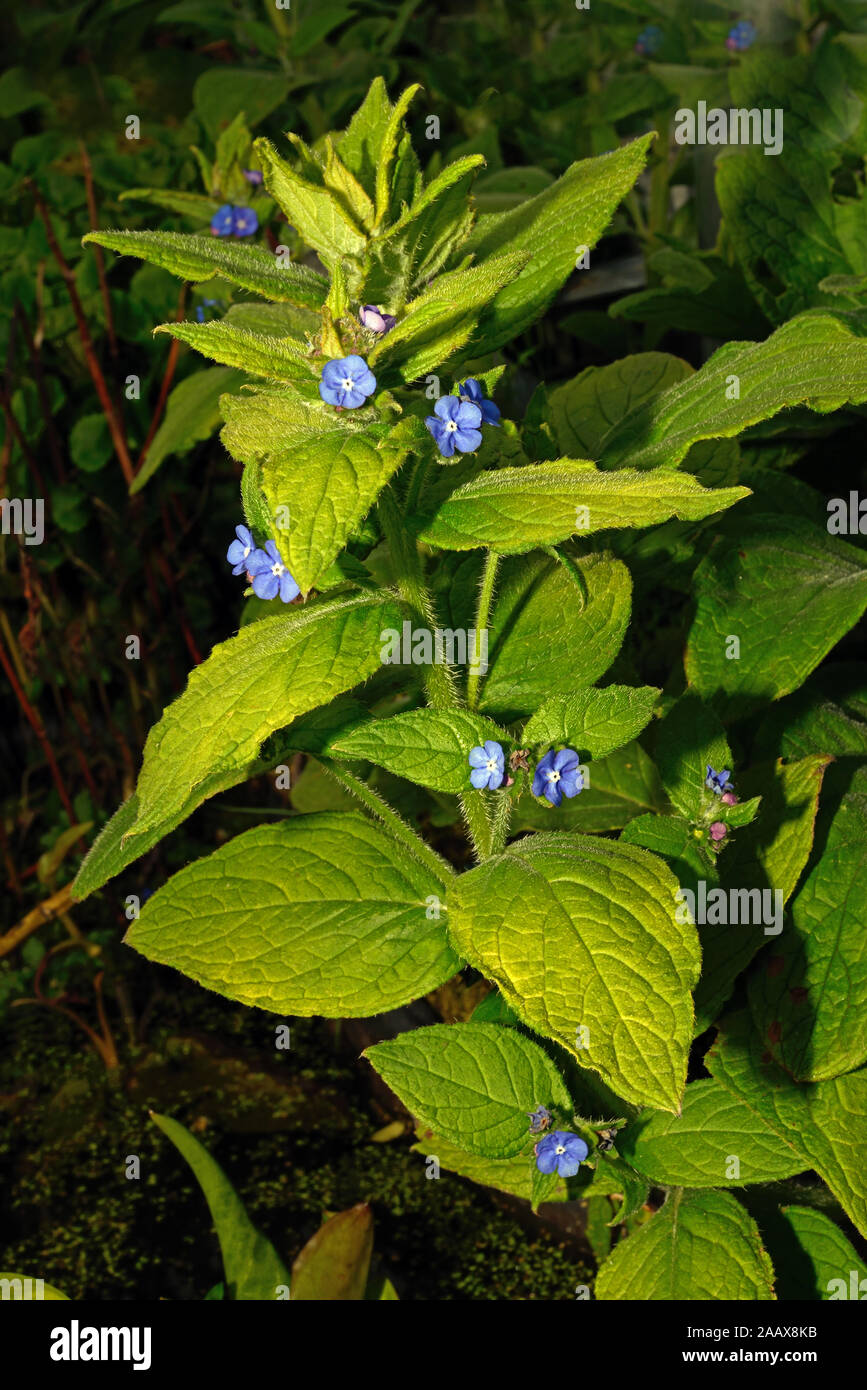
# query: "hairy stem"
{"points": [[374, 803], [440, 684], [486, 595]]}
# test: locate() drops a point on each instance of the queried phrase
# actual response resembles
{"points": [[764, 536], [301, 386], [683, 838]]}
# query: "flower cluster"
{"points": [[649, 41], [741, 37], [234, 221], [557, 774], [347, 382], [457, 419], [265, 568], [720, 783]]}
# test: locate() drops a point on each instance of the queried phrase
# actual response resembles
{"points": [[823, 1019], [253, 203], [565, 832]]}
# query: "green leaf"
{"points": [[688, 740], [582, 411], [260, 354], [317, 214], [810, 1001], [512, 1175], [441, 320], [768, 855], [90, 445], [418, 244], [570, 214], [581, 933], [192, 414], [276, 320], [430, 747], [517, 509], [253, 1268], [328, 485], [716, 1142], [593, 721], [829, 1258], [251, 686], [221, 93], [698, 1247], [335, 1263], [816, 360], [195, 205], [361, 144], [824, 1123], [543, 639], [346, 187], [326, 914], [475, 1084], [786, 220], [197, 258], [392, 134], [788, 592]]}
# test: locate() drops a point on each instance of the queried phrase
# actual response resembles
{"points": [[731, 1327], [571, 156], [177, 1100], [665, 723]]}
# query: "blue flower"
{"points": [[558, 775], [742, 36], [223, 221], [270, 575], [717, 781], [471, 390], [649, 41], [376, 320], [347, 382], [539, 1119], [205, 304], [561, 1151], [232, 221], [240, 550], [488, 766], [455, 425], [245, 222]]}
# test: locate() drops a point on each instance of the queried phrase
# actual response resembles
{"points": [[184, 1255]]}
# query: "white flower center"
{"points": [[247, 549], [451, 426], [553, 777], [492, 765], [347, 383], [561, 1149], [277, 568]]}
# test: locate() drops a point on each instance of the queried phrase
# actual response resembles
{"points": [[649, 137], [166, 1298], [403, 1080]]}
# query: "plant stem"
{"points": [[439, 679], [374, 803], [440, 685], [501, 821], [486, 594]]}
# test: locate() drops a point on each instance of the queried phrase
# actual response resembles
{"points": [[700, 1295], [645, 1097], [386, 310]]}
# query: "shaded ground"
{"points": [[291, 1129]]}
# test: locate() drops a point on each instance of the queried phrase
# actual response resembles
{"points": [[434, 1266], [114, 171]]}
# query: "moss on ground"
{"points": [[292, 1130]]}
